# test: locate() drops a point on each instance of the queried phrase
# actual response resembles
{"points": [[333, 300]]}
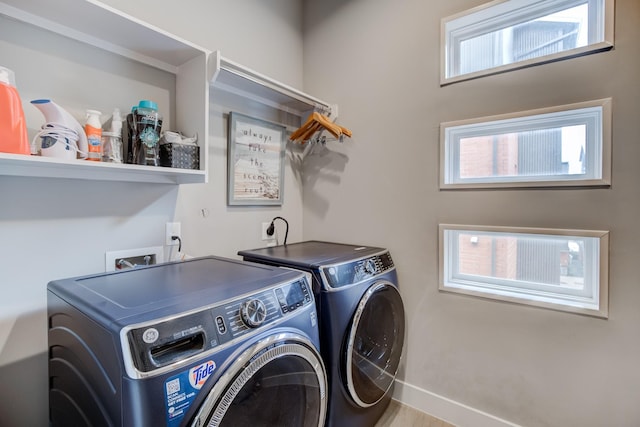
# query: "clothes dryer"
{"points": [[361, 322], [205, 342]]}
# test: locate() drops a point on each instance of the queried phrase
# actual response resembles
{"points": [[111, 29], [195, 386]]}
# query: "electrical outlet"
{"points": [[265, 236], [173, 229]]}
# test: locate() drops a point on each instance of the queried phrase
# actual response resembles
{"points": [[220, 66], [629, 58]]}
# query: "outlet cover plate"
{"points": [[172, 229], [264, 235]]}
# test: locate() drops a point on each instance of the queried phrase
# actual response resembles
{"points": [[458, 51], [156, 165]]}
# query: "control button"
{"points": [[253, 313], [314, 318], [222, 328]]}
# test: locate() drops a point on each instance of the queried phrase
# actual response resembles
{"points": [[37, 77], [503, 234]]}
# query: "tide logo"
{"points": [[198, 374]]}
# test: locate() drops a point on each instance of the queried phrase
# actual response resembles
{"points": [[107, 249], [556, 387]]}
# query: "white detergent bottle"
{"points": [[93, 129]]}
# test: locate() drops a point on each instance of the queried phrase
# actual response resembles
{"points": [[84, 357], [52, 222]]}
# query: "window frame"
{"points": [[504, 289], [494, 15], [599, 160]]}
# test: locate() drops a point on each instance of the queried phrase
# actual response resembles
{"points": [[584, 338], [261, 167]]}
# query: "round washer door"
{"points": [[279, 381], [374, 344]]}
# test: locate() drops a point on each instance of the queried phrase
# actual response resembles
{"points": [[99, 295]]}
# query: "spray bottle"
{"points": [[93, 129], [112, 139]]}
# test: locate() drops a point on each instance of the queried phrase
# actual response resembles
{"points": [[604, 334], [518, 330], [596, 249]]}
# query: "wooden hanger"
{"points": [[317, 122]]}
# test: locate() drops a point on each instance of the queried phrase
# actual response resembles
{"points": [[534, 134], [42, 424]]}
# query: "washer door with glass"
{"points": [[374, 344], [279, 381]]}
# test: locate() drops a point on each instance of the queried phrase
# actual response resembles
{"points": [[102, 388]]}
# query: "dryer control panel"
{"points": [[164, 342], [340, 275]]}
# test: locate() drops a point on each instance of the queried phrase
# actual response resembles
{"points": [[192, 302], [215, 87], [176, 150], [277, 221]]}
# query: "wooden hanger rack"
{"points": [[317, 122]]}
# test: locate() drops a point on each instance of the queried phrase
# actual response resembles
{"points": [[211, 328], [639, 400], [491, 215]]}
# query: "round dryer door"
{"points": [[279, 381], [374, 344]]}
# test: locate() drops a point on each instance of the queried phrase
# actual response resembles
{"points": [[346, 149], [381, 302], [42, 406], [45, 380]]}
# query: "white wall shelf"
{"points": [[99, 25], [48, 167], [232, 77]]}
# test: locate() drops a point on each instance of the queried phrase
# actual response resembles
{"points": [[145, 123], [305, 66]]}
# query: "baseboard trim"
{"points": [[444, 408]]}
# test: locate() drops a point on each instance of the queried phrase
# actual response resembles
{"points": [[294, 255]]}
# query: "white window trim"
{"points": [[575, 305], [471, 21], [600, 162]]}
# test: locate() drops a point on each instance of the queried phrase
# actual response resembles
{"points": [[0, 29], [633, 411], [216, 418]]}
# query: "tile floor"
{"points": [[399, 415]]}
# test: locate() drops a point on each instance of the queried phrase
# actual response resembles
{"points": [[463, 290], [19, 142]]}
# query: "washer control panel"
{"points": [[164, 342], [346, 274]]}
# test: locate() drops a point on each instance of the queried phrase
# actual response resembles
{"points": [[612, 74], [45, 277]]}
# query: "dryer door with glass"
{"points": [[278, 381], [374, 344]]}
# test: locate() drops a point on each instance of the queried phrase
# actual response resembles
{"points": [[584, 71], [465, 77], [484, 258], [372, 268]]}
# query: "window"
{"points": [[503, 35], [561, 146], [565, 270]]}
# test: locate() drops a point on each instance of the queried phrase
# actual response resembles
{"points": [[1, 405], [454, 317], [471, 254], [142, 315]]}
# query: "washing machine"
{"points": [[362, 322], [204, 342]]}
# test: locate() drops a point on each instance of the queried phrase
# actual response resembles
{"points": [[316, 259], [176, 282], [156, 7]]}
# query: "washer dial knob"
{"points": [[253, 312]]}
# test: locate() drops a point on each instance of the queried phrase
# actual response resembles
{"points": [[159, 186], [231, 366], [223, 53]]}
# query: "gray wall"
{"points": [[380, 61], [55, 228]]}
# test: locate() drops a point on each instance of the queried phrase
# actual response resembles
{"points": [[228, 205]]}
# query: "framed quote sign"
{"points": [[255, 170]]}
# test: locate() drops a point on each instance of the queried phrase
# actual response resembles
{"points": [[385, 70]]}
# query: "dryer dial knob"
{"points": [[253, 313], [369, 266]]}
